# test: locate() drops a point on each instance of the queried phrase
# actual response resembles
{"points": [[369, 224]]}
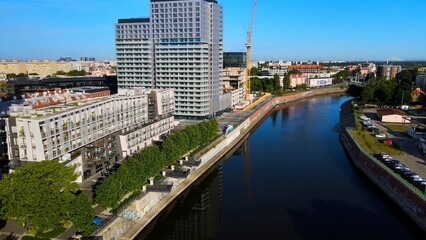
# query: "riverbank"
{"points": [[402, 194], [152, 204]]}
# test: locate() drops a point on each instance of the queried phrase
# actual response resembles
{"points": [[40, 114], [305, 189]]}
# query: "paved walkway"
{"points": [[11, 230]]}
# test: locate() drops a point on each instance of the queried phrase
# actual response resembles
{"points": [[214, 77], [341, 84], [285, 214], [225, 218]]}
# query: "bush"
{"points": [[135, 171]]}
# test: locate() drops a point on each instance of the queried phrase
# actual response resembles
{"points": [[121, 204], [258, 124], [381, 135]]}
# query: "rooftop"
{"points": [[386, 112]]}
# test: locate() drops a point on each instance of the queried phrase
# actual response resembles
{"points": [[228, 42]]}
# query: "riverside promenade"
{"points": [[152, 204]]}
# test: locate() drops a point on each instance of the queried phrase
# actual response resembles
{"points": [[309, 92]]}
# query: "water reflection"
{"points": [[290, 179], [197, 215]]}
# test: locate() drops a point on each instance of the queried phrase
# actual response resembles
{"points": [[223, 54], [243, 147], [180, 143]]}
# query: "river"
{"points": [[290, 179]]}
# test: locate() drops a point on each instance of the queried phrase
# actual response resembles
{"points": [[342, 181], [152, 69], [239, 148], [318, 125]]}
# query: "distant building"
{"points": [[85, 59], [421, 71], [421, 78], [281, 71], [279, 64], [234, 60], [22, 85], [417, 95], [319, 82], [366, 68], [296, 79], [88, 133], [310, 79], [388, 71], [65, 59], [307, 68], [41, 68]]}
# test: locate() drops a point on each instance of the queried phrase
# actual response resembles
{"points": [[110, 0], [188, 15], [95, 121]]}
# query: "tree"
{"points": [[286, 81], [302, 86], [256, 85], [340, 77], [82, 214], [276, 83], [254, 71], [76, 73], [11, 75], [38, 194], [293, 71], [61, 73], [21, 75]]}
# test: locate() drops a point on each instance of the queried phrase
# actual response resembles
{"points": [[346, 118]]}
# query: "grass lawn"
{"points": [[370, 143], [398, 127], [52, 234], [33, 238]]}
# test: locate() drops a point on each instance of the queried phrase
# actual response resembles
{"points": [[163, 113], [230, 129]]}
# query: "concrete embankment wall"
{"points": [[149, 206], [406, 199]]}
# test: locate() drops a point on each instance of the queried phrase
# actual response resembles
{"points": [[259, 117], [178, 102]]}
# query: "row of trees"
{"points": [[341, 76], [135, 171], [386, 92], [13, 75], [43, 196], [72, 73], [271, 85]]}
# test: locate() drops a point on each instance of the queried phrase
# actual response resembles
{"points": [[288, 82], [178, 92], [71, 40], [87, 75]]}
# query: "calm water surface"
{"points": [[290, 179]]}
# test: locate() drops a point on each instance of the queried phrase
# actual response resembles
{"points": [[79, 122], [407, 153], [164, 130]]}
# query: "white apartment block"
{"points": [[180, 47], [278, 71], [134, 53], [92, 134]]}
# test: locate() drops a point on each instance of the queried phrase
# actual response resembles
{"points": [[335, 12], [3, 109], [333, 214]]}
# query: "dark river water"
{"points": [[290, 179]]}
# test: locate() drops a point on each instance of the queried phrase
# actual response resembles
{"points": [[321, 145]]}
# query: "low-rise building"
{"points": [[392, 116], [297, 79], [417, 95], [319, 81], [307, 68], [88, 133]]}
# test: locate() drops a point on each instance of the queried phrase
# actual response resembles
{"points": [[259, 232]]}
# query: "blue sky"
{"points": [[284, 29]]}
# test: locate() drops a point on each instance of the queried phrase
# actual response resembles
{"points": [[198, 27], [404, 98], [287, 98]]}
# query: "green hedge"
{"points": [[135, 171]]}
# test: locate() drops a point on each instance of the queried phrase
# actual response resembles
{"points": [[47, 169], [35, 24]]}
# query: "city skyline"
{"points": [[287, 30]]}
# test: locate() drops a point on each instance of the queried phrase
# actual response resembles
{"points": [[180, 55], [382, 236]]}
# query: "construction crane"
{"points": [[248, 53]]}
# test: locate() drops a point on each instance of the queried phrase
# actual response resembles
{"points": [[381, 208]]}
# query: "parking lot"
{"points": [[411, 156]]}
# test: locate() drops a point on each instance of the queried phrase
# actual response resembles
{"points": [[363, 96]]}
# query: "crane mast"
{"points": [[248, 53]]}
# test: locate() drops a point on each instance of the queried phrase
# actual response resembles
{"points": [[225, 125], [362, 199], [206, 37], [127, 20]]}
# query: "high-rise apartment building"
{"points": [[181, 47], [388, 71]]}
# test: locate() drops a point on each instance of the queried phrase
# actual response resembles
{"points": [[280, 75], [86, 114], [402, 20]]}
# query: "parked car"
{"points": [[384, 155], [373, 129], [367, 123], [380, 135], [409, 174], [363, 117], [387, 142]]}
